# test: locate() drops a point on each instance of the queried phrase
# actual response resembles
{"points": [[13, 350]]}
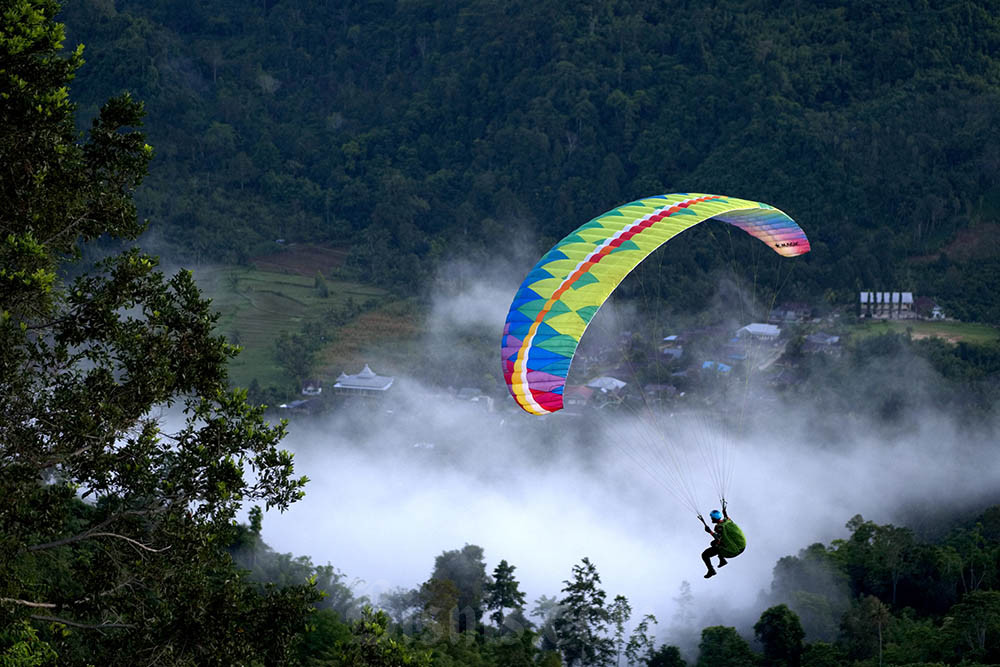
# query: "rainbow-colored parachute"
{"points": [[561, 294]]}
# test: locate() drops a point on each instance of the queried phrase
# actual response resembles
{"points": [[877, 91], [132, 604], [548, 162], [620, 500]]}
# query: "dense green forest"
{"points": [[882, 595], [112, 524], [419, 130], [119, 539]]}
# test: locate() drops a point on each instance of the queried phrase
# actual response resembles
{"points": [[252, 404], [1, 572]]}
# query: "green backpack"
{"points": [[731, 539]]}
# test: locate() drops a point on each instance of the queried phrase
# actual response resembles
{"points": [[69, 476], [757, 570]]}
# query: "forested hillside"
{"points": [[413, 130]]}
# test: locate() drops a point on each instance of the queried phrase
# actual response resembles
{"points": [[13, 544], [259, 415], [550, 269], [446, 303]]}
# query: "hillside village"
{"points": [[691, 365]]}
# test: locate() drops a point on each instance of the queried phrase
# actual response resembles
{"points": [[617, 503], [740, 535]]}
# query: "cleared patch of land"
{"points": [[953, 332], [973, 243], [301, 259], [387, 337], [256, 306]]}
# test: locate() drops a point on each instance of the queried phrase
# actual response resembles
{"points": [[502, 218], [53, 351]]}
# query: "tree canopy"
{"points": [[123, 454], [413, 131]]}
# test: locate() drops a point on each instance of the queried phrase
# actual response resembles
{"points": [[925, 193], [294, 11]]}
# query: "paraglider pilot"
{"points": [[728, 540]]}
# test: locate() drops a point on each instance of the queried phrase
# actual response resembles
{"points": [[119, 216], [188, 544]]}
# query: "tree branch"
{"points": [[52, 605], [94, 532], [71, 226], [136, 543], [28, 603], [60, 459], [110, 591], [75, 624]]}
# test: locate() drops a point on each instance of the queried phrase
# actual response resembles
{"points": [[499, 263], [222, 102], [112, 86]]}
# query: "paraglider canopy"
{"points": [[562, 293]]}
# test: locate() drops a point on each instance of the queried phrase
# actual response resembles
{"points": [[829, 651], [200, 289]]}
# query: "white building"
{"points": [[606, 384], [759, 331], [887, 305], [365, 383]]}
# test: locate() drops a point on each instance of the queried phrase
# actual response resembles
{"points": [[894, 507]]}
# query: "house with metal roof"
{"points": [[759, 331], [365, 383], [717, 366], [302, 406], [606, 384], [822, 342], [312, 388], [790, 312]]}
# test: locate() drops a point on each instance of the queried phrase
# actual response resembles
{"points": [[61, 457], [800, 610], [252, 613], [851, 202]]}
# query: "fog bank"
{"points": [[393, 486]]}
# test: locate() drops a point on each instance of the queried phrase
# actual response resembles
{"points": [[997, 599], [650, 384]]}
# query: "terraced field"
{"points": [[258, 304]]}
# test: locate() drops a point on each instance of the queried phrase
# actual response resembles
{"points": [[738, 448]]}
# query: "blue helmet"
{"points": [[716, 514]]}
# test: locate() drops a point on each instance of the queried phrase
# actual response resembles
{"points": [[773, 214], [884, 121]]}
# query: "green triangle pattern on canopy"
{"points": [[579, 273]]}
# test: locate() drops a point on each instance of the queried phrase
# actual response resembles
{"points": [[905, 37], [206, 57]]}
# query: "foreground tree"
{"points": [[975, 623], [823, 654], [372, 644], [641, 647], [503, 592], [723, 647], [781, 634], [547, 610], [619, 613], [863, 628], [462, 571], [665, 656], [440, 606], [582, 623], [113, 527]]}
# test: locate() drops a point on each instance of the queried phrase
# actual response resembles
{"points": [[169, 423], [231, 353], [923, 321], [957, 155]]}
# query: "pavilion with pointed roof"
{"points": [[367, 383]]}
